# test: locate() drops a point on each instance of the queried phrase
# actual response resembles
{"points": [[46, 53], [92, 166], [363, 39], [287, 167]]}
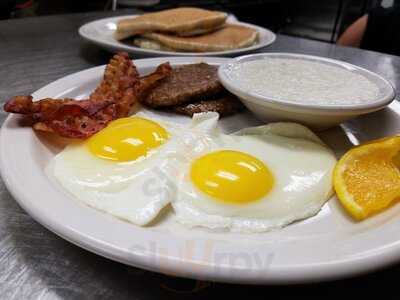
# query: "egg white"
{"points": [[301, 164], [135, 191]]}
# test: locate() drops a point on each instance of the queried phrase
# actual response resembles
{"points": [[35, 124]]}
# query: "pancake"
{"points": [[180, 21], [229, 37], [187, 83]]}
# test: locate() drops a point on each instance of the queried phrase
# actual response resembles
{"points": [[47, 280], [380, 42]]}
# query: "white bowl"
{"points": [[317, 116]]}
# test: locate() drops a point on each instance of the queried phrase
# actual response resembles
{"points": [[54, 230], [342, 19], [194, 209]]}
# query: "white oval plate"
{"points": [[101, 32], [327, 246]]}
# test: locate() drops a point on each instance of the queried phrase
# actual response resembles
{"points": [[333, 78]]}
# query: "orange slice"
{"points": [[367, 177]]}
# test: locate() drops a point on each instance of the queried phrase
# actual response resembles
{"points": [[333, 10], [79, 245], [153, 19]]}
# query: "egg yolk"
{"points": [[127, 139], [231, 176]]}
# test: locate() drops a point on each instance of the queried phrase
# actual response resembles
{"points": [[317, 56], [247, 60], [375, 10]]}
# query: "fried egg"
{"points": [[121, 169], [255, 180]]}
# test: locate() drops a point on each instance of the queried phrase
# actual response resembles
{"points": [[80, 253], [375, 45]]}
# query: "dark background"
{"points": [[318, 20]]}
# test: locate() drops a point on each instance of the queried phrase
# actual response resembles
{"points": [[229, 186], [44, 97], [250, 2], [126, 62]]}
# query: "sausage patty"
{"points": [[185, 84]]}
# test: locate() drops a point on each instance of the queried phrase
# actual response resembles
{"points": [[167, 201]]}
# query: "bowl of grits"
{"points": [[315, 91]]}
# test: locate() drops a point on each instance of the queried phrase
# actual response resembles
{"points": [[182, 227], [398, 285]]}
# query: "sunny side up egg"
{"points": [[255, 180], [120, 169]]}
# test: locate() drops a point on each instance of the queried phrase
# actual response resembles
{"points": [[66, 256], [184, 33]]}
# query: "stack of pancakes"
{"points": [[185, 29], [191, 89]]}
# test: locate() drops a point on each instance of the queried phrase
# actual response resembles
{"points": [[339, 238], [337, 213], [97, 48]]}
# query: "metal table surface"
{"points": [[37, 264]]}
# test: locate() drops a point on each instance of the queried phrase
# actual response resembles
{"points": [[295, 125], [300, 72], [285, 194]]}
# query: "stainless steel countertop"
{"points": [[37, 264]]}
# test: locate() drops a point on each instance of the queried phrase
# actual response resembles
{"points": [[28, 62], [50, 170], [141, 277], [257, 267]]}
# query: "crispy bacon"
{"points": [[119, 90], [140, 89], [67, 117], [120, 78], [146, 83]]}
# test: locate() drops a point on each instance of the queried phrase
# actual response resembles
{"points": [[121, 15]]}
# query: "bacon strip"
{"points": [[67, 117], [120, 78], [113, 98], [140, 89]]}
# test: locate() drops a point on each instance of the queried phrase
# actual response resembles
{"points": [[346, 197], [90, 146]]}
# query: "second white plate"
{"points": [[101, 32]]}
